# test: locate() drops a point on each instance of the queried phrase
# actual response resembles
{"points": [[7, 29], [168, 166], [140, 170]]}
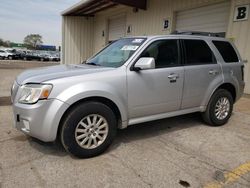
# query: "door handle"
{"points": [[173, 76], [213, 72]]}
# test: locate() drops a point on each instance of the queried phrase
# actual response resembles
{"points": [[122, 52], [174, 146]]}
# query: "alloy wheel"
{"points": [[91, 131], [222, 108]]}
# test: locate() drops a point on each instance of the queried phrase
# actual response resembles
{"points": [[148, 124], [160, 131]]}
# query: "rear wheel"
{"points": [[219, 108], [88, 130]]}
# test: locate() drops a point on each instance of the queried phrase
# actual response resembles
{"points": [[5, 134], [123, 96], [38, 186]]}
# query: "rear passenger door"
{"points": [[202, 72]]}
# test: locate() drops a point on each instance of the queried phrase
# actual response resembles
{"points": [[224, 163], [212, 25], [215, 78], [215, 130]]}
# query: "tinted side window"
{"points": [[198, 52], [165, 53], [227, 51]]}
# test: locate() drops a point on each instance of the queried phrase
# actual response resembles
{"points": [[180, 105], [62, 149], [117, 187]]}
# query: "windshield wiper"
{"points": [[94, 64]]}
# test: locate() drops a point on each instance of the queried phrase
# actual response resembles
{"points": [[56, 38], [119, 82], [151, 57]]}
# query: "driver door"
{"points": [[158, 90]]}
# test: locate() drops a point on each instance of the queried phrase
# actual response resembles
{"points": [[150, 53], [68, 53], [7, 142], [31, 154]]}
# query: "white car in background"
{"points": [[5, 54]]}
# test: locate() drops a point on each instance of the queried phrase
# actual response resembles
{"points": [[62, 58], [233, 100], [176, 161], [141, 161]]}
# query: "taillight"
{"points": [[242, 72]]}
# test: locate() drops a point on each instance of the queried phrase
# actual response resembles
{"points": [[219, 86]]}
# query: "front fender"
{"points": [[95, 89]]}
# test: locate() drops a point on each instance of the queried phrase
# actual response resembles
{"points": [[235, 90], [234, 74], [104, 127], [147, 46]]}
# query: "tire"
{"points": [[212, 116], [10, 57], [71, 124]]}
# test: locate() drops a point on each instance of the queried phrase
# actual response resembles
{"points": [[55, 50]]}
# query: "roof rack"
{"points": [[209, 34]]}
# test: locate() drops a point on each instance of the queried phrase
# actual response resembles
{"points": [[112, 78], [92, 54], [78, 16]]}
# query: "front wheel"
{"points": [[88, 129], [219, 108]]}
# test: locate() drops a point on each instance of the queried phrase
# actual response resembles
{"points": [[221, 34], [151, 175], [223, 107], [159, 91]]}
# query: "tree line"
{"points": [[31, 41], [4, 43]]}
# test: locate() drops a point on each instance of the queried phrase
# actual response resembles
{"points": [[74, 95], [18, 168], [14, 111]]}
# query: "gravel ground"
{"points": [[10, 69], [174, 152]]}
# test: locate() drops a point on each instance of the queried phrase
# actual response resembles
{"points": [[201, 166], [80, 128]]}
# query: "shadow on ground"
{"points": [[137, 132], [151, 129]]}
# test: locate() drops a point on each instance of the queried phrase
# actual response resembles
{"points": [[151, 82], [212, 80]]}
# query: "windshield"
{"points": [[117, 53]]}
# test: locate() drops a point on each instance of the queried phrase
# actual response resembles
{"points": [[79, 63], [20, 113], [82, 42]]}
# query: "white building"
{"points": [[91, 24]]}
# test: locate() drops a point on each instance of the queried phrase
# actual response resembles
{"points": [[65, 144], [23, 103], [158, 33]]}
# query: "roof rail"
{"points": [[209, 34]]}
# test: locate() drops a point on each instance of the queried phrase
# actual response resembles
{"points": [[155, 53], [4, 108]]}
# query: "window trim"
{"points": [[184, 56], [180, 61]]}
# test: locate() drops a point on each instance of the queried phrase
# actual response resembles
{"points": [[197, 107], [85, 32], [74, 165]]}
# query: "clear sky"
{"points": [[19, 18]]}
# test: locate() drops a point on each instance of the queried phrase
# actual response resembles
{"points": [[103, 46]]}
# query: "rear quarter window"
{"points": [[227, 51]]}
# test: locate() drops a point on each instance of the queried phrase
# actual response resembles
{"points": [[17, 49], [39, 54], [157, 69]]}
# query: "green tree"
{"points": [[1, 42], [4, 43], [33, 40]]}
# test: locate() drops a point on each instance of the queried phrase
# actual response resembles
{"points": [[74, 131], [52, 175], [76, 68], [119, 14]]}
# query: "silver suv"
{"points": [[133, 80]]}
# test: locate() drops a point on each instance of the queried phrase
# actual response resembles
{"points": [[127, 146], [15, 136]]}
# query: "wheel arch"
{"points": [[227, 86], [230, 88], [114, 107]]}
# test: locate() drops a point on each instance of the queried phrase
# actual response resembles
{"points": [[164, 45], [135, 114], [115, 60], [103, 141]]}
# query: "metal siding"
{"points": [[99, 28], [101, 24], [116, 28], [150, 22], [239, 32], [77, 39], [212, 18], [63, 41]]}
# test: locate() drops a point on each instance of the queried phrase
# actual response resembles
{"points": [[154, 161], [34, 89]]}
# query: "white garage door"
{"points": [[212, 18], [117, 28]]}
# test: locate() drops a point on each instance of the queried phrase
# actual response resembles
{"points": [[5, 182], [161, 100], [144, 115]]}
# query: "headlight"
{"points": [[31, 93]]}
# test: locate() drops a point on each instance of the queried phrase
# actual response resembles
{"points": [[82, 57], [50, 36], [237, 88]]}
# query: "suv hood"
{"points": [[40, 75]]}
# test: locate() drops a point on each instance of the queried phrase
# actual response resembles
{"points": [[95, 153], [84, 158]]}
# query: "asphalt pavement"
{"points": [[174, 152]]}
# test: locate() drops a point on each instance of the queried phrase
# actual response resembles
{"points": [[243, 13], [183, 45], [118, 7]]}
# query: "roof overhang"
{"points": [[91, 7]]}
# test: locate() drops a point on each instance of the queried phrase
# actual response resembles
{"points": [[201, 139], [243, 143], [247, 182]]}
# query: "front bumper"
{"points": [[40, 120]]}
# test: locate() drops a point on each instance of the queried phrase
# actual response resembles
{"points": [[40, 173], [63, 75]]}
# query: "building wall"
{"points": [[101, 25], [240, 34], [149, 22], [77, 39]]}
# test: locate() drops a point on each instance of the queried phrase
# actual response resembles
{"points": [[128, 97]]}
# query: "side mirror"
{"points": [[144, 63]]}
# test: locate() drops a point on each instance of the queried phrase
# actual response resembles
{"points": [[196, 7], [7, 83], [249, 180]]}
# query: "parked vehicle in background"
{"points": [[17, 54], [6, 54], [131, 81], [43, 56], [32, 55], [54, 57], [28, 55]]}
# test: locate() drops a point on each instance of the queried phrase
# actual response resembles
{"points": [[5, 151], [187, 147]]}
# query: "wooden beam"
{"points": [[95, 6], [141, 4], [92, 7], [103, 8]]}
